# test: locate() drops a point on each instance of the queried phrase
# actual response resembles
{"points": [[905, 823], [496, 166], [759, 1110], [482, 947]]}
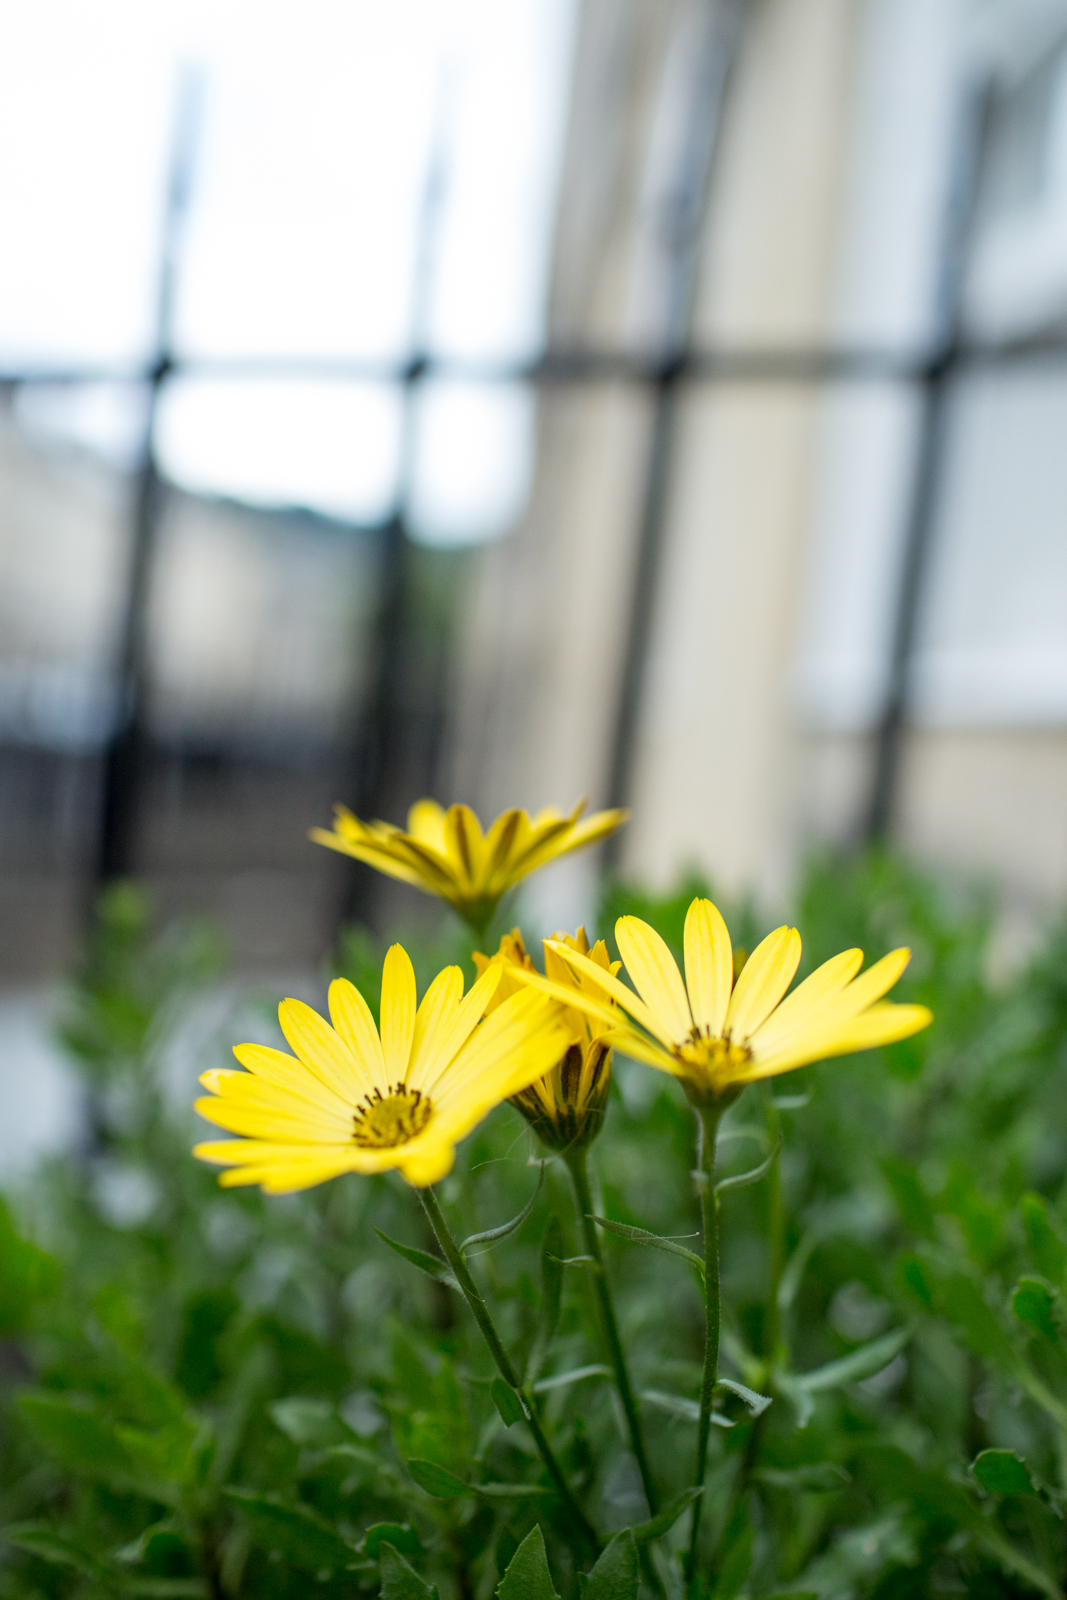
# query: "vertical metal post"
{"points": [[927, 483], [379, 744], [720, 43], [122, 777]]}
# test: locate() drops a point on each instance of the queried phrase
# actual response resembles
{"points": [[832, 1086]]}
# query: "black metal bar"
{"points": [[719, 50], [122, 776], [937, 387], [757, 364]]}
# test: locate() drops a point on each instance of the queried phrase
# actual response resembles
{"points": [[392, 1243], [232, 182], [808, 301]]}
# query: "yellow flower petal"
{"points": [[441, 1048], [611, 986], [807, 1000], [398, 1012], [429, 1163], [426, 822], [709, 966], [320, 1049], [463, 841], [765, 977], [289, 1121], [654, 974], [285, 1072], [883, 1024], [436, 1006], [352, 1020]]}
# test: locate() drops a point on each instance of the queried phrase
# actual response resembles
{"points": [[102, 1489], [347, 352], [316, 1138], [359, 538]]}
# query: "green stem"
{"points": [[772, 1348], [773, 1352], [709, 1123], [576, 1160], [480, 1312]]}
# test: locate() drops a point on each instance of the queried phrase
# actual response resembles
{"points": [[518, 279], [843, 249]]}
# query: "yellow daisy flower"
{"points": [[566, 1106], [446, 853], [356, 1098], [716, 1034]]}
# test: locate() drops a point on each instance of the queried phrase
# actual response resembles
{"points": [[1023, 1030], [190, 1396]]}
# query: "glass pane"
{"points": [[332, 447], [473, 460]]}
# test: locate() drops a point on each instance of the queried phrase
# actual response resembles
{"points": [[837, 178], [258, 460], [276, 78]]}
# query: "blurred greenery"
{"points": [[209, 1393]]}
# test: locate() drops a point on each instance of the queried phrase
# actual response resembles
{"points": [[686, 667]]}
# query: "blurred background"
{"points": [[663, 401]]}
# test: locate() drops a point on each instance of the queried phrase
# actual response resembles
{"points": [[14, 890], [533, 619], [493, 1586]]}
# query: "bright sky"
{"points": [[318, 120]]}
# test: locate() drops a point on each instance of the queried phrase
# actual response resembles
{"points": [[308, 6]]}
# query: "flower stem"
{"points": [[709, 1123], [576, 1160], [480, 1312]]}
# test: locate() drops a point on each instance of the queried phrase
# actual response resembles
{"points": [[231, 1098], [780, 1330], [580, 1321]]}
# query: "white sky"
{"points": [[317, 125]]}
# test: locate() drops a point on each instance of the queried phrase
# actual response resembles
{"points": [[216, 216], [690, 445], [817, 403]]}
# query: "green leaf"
{"points": [[493, 1235], [309, 1422], [756, 1403], [645, 1532], [165, 1455], [74, 1432], [433, 1266], [816, 1477], [651, 1241], [753, 1175], [913, 1203], [528, 1576], [507, 1402], [962, 1303], [916, 1280], [617, 1574], [560, 1380], [863, 1362], [27, 1274], [37, 1539], [401, 1535], [438, 1481], [737, 1559], [1003, 1472], [298, 1534], [1033, 1303], [401, 1582], [1046, 1246], [444, 1485]]}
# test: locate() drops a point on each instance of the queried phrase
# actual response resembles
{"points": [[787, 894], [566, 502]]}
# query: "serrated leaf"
{"points": [[37, 1539], [617, 1574], [493, 1235], [656, 1527], [753, 1175], [438, 1481], [1003, 1472], [651, 1241], [433, 1266], [528, 1576], [1046, 1246], [399, 1580], [507, 1402], [756, 1403], [401, 1535], [1033, 1303], [298, 1534]]}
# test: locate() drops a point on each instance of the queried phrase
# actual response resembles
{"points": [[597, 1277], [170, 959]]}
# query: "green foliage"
{"points": [[211, 1394]]}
